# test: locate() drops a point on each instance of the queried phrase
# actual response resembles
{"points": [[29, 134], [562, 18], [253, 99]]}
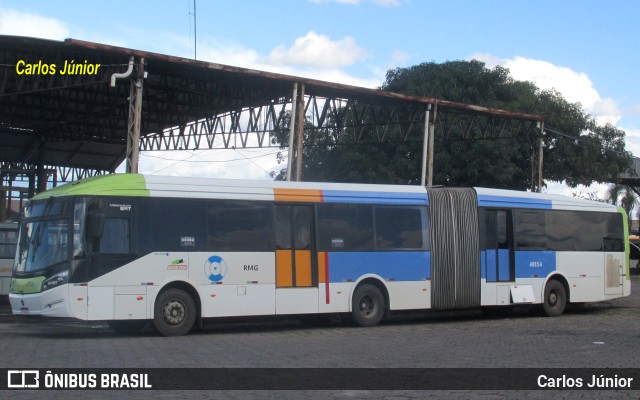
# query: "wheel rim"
{"points": [[367, 306], [174, 312], [553, 298]]}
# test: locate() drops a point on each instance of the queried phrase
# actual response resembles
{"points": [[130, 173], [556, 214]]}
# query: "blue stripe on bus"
{"points": [[504, 272], [494, 265], [343, 196], [398, 266], [487, 258], [512, 202], [535, 264]]}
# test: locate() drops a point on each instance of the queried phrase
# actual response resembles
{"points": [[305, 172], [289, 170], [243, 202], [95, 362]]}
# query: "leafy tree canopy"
{"points": [[578, 150]]}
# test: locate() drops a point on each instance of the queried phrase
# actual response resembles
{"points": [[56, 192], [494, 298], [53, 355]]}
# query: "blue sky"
{"points": [[588, 50]]}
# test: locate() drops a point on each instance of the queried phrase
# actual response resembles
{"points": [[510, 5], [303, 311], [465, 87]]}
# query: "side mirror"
{"points": [[95, 225]]}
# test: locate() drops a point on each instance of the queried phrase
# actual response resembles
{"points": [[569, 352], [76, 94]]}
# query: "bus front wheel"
{"points": [[368, 306], [555, 299], [174, 313]]}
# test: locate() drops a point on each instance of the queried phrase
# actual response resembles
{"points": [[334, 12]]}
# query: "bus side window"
{"points": [[115, 237], [398, 228], [283, 227], [302, 227], [503, 240], [530, 230], [239, 226], [344, 227], [8, 240]]}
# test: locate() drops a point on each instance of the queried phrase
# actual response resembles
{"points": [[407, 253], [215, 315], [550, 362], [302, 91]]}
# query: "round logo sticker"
{"points": [[215, 268]]}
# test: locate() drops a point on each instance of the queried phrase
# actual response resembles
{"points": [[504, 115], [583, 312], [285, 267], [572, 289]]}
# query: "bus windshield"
{"points": [[42, 244]]}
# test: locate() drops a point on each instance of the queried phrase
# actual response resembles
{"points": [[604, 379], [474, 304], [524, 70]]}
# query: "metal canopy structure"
{"points": [[57, 126]]}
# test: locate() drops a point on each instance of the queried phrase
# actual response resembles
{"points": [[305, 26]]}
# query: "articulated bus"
{"points": [[130, 249]]}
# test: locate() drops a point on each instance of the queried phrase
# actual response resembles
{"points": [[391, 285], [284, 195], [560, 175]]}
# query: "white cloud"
{"points": [[632, 140], [329, 75], [229, 54], [389, 3], [398, 58], [24, 24], [606, 111], [598, 190], [315, 50], [575, 87]]}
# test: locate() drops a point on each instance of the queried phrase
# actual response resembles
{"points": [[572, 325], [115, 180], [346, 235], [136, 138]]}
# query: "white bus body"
{"points": [[132, 248]]}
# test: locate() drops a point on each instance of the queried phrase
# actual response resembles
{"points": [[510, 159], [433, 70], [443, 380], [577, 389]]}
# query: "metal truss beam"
{"points": [[349, 122], [22, 171]]}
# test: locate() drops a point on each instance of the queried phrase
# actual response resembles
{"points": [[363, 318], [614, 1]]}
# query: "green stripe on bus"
{"points": [[105, 185], [627, 247]]}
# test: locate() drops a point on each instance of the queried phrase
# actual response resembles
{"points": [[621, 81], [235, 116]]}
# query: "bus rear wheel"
{"points": [[555, 299], [174, 313], [368, 305]]}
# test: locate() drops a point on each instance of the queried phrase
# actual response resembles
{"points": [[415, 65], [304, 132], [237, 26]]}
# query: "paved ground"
{"points": [[602, 335]]}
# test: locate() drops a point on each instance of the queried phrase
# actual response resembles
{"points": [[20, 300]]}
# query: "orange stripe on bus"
{"points": [[283, 268], [303, 268], [302, 195]]}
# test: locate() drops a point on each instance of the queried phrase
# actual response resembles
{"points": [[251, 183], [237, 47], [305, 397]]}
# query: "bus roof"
{"points": [[138, 185]]}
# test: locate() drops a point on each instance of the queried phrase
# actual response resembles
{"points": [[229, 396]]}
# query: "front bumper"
{"points": [[51, 303]]}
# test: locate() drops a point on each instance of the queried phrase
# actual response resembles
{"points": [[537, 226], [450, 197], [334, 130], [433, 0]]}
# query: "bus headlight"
{"points": [[58, 279]]}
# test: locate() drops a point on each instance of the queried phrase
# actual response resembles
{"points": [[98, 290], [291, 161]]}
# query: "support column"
{"points": [[425, 146], [300, 133], [41, 181], [430, 154], [32, 182], [4, 194], [292, 129], [11, 178], [541, 145], [537, 160], [135, 117]]}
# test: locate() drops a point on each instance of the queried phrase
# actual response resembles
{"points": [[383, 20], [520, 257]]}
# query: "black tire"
{"points": [[555, 299], [128, 327], [368, 305], [174, 313]]}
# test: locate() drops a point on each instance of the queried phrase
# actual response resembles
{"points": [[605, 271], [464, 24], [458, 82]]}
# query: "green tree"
{"points": [[578, 150]]}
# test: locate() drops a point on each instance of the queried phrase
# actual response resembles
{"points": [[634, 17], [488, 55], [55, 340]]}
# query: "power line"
{"points": [[212, 161], [577, 139]]}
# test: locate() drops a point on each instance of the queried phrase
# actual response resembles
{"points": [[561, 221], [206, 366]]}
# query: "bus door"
{"points": [[498, 246], [296, 260]]}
